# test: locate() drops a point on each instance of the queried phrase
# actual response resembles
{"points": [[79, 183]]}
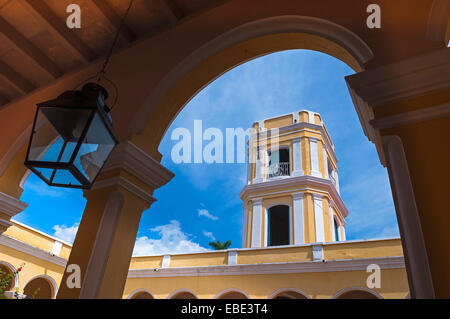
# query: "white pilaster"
{"points": [[336, 177], [331, 210], [259, 175], [56, 249], [297, 157], [298, 218], [342, 233], [325, 160], [318, 218], [311, 117], [232, 257], [166, 261], [313, 150], [256, 223], [244, 226]]}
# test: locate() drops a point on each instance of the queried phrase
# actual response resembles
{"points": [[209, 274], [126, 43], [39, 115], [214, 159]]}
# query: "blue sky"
{"points": [[202, 201]]}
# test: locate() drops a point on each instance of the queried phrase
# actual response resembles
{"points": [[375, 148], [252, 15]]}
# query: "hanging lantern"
{"points": [[72, 138]]}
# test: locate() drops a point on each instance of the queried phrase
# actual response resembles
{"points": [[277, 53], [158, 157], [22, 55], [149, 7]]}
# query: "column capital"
{"points": [[133, 169], [317, 196], [298, 195], [9, 207], [257, 201]]}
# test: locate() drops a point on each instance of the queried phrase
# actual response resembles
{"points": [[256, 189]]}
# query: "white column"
{"points": [[314, 157], [297, 157], [336, 177], [298, 218], [318, 218], [259, 175], [333, 235], [244, 226], [325, 161], [256, 222]]}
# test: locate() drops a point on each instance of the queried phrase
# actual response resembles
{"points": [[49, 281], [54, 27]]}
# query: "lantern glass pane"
{"points": [[95, 149], [56, 133], [64, 176]]}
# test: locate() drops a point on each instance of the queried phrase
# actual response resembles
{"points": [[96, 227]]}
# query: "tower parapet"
{"points": [[292, 194]]}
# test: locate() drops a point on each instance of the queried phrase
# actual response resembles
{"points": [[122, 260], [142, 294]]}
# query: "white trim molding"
{"points": [[271, 268], [302, 184], [31, 250]]}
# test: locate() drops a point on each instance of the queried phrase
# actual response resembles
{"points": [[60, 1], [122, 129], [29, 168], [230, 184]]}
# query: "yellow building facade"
{"points": [[293, 237]]}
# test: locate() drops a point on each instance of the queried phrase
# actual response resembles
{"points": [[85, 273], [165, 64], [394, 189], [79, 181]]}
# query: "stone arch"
{"points": [[231, 49], [357, 293], [289, 293], [47, 287], [232, 293], [10, 269], [140, 294], [182, 294]]}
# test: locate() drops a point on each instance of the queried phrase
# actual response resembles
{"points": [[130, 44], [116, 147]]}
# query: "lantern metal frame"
{"points": [[102, 111]]}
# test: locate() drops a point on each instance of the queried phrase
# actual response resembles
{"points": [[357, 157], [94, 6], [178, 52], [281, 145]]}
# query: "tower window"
{"points": [[279, 164], [278, 225]]}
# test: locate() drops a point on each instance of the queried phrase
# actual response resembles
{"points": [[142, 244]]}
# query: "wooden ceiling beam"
{"points": [[114, 19], [172, 9], [60, 29], [29, 49], [15, 79], [3, 100]]}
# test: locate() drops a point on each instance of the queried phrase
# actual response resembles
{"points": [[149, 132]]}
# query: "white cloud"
{"points": [[209, 235], [65, 233], [205, 212], [172, 240]]}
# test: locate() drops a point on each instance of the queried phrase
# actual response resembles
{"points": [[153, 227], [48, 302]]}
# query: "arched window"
{"points": [[233, 295], [357, 294], [39, 288], [140, 294], [278, 226], [4, 272], [183, 295]]}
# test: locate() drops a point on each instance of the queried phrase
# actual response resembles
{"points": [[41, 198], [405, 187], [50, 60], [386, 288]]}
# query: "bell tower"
{"points": [[292, 194]]}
